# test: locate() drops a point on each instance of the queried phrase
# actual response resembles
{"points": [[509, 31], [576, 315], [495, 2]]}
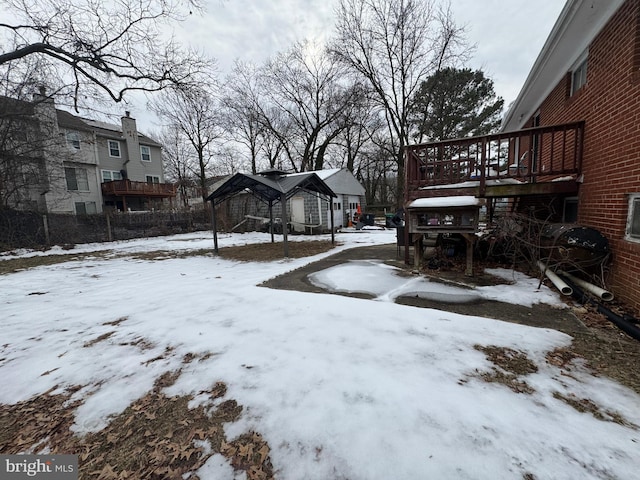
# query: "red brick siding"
{"points": [[610, 105]]}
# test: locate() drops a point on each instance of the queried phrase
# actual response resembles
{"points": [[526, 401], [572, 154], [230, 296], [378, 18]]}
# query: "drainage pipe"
{"points": [[626, 326], [555, 279], [601, 293]]}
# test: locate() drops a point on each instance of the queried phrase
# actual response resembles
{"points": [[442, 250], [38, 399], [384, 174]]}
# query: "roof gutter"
{"points": [[576, 27]]}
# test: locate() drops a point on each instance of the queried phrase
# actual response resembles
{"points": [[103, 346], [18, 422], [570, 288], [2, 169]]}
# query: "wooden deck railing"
{"points": [[531, 155], [129, 188]]}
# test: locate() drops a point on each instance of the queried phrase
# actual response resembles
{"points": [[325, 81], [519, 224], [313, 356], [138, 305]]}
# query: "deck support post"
{"points": [[470, 238], [417, 251]]}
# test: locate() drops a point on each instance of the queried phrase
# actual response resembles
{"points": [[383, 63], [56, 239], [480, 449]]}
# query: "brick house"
{"points": [[589, 70], [571, 139]]}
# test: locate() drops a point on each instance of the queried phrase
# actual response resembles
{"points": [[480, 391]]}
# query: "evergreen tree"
{"points": [[455, 103]]}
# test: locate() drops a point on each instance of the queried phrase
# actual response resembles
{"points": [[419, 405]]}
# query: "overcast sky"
{"points": [[508, 34]]}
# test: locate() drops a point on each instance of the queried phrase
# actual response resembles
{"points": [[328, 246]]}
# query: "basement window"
{"points": [[570, 210], [633, 218]]}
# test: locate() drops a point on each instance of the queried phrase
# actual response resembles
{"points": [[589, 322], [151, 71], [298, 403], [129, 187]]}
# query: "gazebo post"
{"points": [[215, 226], [285, 216], [271, 220], [333, 230]]}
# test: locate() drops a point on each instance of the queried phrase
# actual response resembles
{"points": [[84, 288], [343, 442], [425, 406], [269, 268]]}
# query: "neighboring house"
{"points": [[131, 170], [351, 196], [571, 140], [308, 212], [77, 165]]}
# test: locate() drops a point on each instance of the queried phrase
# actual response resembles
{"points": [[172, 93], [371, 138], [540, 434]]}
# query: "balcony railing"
{"points": [[129, 188], [540, 154]]}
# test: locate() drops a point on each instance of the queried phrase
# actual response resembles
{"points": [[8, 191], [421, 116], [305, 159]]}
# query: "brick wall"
{"points": [[610, 105]]}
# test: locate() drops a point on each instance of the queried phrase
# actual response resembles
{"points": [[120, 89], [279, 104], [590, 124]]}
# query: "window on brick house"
{"points": [[633, 218], [570, 210], [579, 74]]}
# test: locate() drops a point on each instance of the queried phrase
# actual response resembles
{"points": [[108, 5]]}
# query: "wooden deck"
{"points": [[128, 188], [533, 161]]}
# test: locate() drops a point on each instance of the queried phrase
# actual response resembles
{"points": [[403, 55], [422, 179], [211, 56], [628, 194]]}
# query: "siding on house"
{"points": [[609, 103]]}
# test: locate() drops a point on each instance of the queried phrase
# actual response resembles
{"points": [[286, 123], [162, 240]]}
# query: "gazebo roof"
{"points": [[270, 185]]}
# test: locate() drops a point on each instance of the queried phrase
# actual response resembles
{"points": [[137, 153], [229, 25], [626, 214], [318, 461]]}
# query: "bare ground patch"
{"points": [[585, 405], [509, 366], [155, 437], [266, 252], [262, 252]]}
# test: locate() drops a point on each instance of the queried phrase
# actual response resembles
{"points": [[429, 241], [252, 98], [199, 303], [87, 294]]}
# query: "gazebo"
{"points": [[271, 187]]}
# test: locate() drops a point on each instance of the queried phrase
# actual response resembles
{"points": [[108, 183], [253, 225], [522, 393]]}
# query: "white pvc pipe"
{"points": [[555, 279], [601, 293]]}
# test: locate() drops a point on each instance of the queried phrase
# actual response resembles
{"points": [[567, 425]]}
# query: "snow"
{"points": [[474, 183], [453, 201], [339, 387]]}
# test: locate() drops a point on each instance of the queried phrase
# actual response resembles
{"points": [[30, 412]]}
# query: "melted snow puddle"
{"points": [[384, 283]]}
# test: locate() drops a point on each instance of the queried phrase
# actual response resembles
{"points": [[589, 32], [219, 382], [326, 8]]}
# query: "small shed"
{"points": [[350, 195], [270, 187]]}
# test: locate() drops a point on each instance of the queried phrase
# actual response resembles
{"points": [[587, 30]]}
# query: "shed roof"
{"points": [[270, 186]]}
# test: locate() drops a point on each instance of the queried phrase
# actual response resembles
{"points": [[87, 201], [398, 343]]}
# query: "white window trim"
{"points": [[633, 197], [109, 148], [142, 155], [73, 137], [153, 177], [77, 174], [111, 172], [579, 63]]}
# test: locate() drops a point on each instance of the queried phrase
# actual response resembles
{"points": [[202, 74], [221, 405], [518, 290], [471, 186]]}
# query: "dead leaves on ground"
{"points": [[509, 365], [156, 437]]}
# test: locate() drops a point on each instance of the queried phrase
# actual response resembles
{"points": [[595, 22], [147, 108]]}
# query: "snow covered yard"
{"points": [[337, 387]]}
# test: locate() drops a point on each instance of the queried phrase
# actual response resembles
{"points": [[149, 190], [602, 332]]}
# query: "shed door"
{"points": [[337, 213], [297, 214]]}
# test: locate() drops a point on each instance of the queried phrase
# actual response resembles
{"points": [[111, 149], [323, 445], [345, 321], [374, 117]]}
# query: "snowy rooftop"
{"points": [[454, 201]]}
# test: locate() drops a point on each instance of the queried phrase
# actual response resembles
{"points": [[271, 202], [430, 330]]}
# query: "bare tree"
{"points": [[102, 47], [194, 113], [243, 112], [305, 84], [395, 45], [361, 121], [177, 158]]}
